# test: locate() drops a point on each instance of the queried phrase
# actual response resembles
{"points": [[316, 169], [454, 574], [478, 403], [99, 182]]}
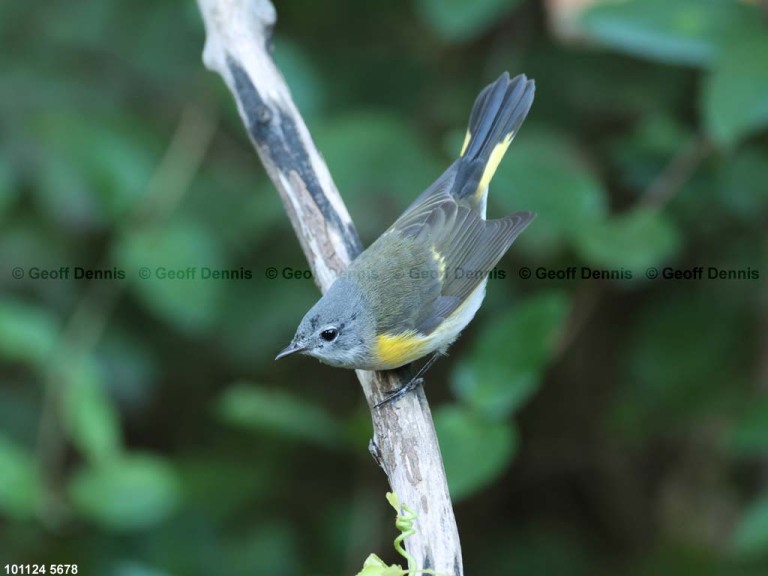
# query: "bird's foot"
{"points": [[402, 391]]}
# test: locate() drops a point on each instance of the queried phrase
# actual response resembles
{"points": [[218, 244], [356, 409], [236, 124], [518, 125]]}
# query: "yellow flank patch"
{"points": [[395, 350], [440, 261], [467, 140], [493, 162]]}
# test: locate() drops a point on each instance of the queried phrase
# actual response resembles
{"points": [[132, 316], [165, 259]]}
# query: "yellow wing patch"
{"points": [[494, 161], [440, 261], [395, 350]]}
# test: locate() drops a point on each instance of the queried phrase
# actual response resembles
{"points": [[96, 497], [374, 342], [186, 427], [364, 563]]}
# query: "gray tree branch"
{"points": [[238, 45]]}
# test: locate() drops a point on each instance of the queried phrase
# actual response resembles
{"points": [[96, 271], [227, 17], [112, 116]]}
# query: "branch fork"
{"points": [[404, 444]]}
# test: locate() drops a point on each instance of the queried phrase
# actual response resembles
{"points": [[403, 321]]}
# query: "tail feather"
{"points": [[497, 115]]}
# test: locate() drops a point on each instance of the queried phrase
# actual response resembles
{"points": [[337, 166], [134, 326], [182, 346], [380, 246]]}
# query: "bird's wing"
{"points": [[461, 250]]}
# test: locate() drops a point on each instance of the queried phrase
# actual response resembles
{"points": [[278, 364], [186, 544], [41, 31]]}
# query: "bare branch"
{"points": [[238, 47]]}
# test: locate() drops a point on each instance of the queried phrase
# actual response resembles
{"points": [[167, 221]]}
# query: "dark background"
{"points": [[588, 426]]}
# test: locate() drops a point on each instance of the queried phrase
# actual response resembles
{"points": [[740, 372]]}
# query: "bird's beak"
{"points": [[292, 348]]}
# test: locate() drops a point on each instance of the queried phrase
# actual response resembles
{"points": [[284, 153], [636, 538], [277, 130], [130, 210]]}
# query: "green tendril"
{"points": [[404, 523], [375, 566]]}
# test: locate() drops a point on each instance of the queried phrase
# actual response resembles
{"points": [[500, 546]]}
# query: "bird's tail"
{"points": [[497, 115]]}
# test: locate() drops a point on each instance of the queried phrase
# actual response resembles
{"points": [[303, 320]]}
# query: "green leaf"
{"points": [[8, 191], [375, 566], [458, 20], [174, 257], [134, 492], [95, 166], [132, 367], [675, 364], [633, 240], [89, 415], [507, 360], [237, 482], [78, 27], [749, 435], [27, 333], [742, 183], [20, 484], [265, 410], [475, 450], [546, 173], [641, 154], [750, 537], [65, 194], [734, 101], [34, 246], [671, 31]]}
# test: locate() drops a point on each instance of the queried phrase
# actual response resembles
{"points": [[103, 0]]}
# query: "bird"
{"points": [[410, 294]]}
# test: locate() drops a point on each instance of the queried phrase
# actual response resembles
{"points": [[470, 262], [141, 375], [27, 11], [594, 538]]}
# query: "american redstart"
{"points": [[421, 282]]}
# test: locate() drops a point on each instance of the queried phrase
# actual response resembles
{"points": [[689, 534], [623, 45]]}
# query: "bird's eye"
{"points": [[329, 334]]}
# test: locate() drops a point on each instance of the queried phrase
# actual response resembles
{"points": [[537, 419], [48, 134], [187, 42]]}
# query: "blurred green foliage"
{"points": [[589, 426]]}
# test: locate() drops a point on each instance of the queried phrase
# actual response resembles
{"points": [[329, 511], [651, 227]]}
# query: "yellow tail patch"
{"points": [[467, 140], [395, 350], [493, 162]]}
